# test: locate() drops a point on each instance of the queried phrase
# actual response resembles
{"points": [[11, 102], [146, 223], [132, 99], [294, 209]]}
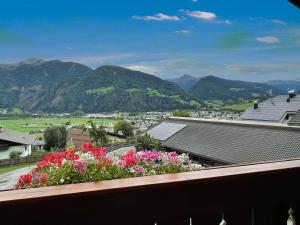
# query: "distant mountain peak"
{"points": [[185, 81], [187, 76]]}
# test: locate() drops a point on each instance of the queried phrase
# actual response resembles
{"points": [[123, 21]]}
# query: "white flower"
{"points": [[62, 180], [86, 156]]}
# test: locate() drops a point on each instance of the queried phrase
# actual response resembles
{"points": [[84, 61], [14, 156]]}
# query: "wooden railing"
{"points": [[31, 159], [245, 194]]}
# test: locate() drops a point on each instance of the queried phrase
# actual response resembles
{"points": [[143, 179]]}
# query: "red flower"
{"points": [[129, 159], [87, 147], [24, 180], [57, 158]]}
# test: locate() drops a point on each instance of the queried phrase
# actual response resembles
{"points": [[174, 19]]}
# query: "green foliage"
{"points": [[238, 106], [55, 137], [101, 90], [125, 127], [145, 142], [15, 154], [98, 134], [182, 113]]}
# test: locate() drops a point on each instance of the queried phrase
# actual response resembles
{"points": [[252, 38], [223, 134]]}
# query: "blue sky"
{"points": [[236, 39]]}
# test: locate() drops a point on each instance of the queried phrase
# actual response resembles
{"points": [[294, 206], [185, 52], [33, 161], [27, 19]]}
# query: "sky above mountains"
{"points": [[255, 40]]}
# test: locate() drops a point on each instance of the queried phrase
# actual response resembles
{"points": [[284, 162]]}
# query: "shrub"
{"points": [[15, 154], [146, 142], [55, 137], [125, 127], [182, 114]]}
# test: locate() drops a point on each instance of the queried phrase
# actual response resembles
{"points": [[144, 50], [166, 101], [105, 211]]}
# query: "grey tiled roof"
{"points": [[236, 142], [274, 109], [17, 137], [165, 130], [295, 120]]}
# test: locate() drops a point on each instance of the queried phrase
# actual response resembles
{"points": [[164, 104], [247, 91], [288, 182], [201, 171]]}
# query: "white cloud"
{"points": [[268, 39], [279, 22], [201, 15], [69, 48], [183, 32], [157, 17], [144, 68]]}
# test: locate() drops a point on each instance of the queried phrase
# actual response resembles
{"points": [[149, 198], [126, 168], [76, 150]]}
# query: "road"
{"points": [[9, 180]]}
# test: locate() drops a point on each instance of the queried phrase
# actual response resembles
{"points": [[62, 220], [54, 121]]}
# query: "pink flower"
{"points": [[81, 165], [41, 178], [139, 170], [146, 156]]}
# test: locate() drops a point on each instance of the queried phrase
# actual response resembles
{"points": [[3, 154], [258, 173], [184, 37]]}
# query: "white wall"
{"points": [[25, 149]]}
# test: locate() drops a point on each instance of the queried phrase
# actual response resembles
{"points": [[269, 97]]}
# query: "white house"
{"points": [[15, 141]]}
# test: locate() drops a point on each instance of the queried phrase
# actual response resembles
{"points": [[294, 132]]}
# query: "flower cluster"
{"points": [[91, 163], [32, 179]]}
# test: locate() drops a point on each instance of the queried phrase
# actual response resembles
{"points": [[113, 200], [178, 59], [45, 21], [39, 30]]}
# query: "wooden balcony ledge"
{"points": [[209, 174]]}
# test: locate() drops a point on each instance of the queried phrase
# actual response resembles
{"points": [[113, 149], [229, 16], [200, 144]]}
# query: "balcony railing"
{"points": [[245, 195]]}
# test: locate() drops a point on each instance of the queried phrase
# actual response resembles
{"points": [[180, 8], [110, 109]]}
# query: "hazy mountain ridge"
{"points": [[285, 85], [214, 88]]}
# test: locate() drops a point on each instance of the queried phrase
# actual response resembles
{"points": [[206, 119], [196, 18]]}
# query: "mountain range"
{"points": [[55, 86], [37, 85], [211, 88]]}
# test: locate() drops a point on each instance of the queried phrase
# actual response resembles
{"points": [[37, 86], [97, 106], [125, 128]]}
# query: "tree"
{"points": [[55, 137], [125, 127], [146, 142], [182, 113], [98, 134]]}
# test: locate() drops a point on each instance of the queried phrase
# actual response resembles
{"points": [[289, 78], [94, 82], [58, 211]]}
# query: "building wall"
{"points": [[25, 149]]}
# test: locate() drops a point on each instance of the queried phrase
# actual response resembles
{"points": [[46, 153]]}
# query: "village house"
{"points": [[279, 109], [11, 141]]}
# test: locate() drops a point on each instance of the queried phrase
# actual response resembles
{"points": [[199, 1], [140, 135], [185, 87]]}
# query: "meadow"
{"points": [[37, 124], [239, 106]]}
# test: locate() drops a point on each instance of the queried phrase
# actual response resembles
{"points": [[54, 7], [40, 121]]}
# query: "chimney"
{"points": [[255, 105], [292, 94]]}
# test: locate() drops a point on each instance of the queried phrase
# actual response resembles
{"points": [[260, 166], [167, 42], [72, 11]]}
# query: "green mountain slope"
{"points": [[56, 86], [214, 88]]}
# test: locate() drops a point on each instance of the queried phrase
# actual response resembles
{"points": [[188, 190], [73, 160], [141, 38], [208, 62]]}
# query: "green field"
{"points": [[240, 106], [6, 169], [37, 124]]}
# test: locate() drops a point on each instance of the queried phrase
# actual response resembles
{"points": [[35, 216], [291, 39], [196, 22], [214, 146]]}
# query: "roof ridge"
{"points": [[236, 122]]}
